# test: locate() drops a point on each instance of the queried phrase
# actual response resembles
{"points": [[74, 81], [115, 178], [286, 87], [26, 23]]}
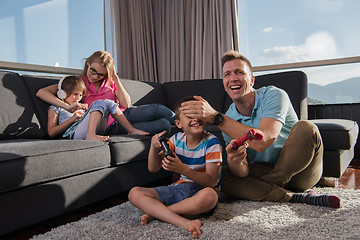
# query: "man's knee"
{"points": [[307, 130], [307, 127]]}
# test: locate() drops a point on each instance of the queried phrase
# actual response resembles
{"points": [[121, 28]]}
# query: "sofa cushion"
{"points": [[332, 166], [34, 83], [337, 134], [144, 92], [128, 148], [26, 162], [211, 90], [17, 117]]}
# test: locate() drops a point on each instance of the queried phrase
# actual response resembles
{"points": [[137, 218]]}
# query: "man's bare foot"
{"points": [[194, 228], [145, 219], [138, 132], [97, 137]]}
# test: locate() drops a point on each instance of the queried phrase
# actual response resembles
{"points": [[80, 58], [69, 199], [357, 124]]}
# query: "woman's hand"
{"points": [[76, 106]]}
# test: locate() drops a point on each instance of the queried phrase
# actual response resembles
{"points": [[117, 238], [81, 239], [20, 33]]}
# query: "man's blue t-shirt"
{"points": [[270, 102]]}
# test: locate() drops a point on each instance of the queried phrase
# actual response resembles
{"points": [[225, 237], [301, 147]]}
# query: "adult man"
{"points": [[287, 159]]}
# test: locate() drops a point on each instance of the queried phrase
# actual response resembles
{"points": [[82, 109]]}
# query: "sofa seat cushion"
{"points": [[129, 148], [337, 134], [26, 162]]}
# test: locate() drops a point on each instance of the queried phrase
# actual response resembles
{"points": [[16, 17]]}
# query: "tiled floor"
{"points": [[351, 177], [349, 180]]}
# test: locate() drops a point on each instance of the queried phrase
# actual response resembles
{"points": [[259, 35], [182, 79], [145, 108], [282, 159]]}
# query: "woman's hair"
{"points": [[233, 55], [69, 83], [102, 57], [178, 105]]}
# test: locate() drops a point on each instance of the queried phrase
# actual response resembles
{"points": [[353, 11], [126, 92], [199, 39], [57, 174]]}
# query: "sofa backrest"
{"points": [[18, 115], [34, 83], [211, 90], [144, 92], [293, 82]]}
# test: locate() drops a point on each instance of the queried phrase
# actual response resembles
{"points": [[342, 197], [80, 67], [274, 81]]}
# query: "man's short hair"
{"points": [[233, 55]]}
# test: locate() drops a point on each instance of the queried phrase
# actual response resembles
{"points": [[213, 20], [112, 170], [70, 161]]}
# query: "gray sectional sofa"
{"points": [[41, 178]]}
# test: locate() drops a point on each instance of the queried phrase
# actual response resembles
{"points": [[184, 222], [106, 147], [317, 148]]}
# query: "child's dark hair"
{"points": [[178, 105], [71, 82]]}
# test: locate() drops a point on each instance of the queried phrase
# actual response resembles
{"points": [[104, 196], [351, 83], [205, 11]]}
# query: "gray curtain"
{"points": [[170, 40]]}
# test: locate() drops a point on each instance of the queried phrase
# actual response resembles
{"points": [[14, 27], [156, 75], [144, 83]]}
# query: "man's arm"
{"points": [[268, 127]]}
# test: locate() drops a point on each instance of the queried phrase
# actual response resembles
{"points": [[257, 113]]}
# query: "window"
{"points": [[57, 33], [282, 31]]}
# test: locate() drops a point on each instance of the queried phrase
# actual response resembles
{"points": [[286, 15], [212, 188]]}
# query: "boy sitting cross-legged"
{"points": [[198, 160]]}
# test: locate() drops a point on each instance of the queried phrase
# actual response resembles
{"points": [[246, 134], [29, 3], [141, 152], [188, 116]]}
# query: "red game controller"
{"points": [[250, 135]]}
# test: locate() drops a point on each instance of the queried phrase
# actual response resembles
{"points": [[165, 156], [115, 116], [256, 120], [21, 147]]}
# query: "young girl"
{"points": [[80, 124], [102, 82]]}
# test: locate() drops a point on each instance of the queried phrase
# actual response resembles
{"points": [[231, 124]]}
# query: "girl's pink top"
{"points": [[106, 91]]}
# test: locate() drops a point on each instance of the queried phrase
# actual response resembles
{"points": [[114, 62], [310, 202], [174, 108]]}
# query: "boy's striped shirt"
{"points": [[208, 151]]}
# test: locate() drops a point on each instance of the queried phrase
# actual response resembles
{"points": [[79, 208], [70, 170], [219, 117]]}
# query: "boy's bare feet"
{"points": [[194, 228], [145, 219], [138, 132], [97, 137]]}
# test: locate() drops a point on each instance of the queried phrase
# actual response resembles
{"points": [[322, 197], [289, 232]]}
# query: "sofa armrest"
{"points": [[337, 134]]}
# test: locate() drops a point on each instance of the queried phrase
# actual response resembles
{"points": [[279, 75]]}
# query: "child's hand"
{"points": [[173, 164], [155, 140], [77, 115], [76, 106]]}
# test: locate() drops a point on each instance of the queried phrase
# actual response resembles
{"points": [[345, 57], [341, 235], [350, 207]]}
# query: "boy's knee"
{"points": [[133, 194], [207, 199]]}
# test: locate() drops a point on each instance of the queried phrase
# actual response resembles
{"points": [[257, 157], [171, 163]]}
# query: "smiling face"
{"points": [[237, 79], [190, 126]]}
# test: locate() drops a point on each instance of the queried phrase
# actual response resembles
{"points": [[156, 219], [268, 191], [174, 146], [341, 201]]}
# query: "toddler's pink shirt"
{"points": [[106, 91]]}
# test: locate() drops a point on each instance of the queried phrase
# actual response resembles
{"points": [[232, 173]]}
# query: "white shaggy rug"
{"points": [[231, 220]]}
